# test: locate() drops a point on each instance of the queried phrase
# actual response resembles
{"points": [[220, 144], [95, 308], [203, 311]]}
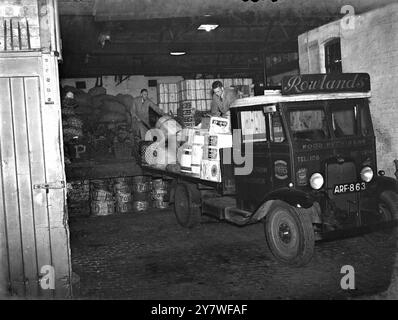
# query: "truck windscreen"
{"points": [[308, 124], [350, 118]]}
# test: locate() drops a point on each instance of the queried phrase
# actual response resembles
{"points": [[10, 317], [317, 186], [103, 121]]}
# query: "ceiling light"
{"points": [[207, 27], [177, 53]]}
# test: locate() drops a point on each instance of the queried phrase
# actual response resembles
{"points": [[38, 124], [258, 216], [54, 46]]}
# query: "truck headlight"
{"points": [[316, 181], [366, 174]]}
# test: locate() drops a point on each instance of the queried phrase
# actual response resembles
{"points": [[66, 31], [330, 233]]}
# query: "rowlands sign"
{"points": [[333, 82]]}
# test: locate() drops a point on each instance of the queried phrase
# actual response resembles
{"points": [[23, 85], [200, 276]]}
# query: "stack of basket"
{"points": [[123, 196], [78, 196], [101, 198], [159, 194], [141, 188]]}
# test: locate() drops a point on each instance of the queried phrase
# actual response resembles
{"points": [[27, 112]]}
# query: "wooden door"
{"points": [[34, 234]]}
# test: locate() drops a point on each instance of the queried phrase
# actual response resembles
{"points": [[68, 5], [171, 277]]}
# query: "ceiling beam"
{"points": [[144, 9]]}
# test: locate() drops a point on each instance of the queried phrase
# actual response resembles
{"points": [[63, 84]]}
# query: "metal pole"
{"points": [[264, 70], [57, 31]]}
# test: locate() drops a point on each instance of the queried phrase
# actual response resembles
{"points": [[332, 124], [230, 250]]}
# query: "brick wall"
{"points": [[369, 43]]}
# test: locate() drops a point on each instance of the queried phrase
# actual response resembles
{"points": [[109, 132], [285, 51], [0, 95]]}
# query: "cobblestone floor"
{"points": [[149, 256]]}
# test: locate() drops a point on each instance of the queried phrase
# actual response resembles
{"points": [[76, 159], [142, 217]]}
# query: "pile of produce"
{"points": [[100, 122]]}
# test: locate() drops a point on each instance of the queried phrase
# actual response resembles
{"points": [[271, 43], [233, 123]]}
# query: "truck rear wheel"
{"points": [[289, 234], [187, 205], [387, 211]]}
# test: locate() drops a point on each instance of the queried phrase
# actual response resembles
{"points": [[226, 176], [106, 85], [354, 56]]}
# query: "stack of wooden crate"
{"points": [[197, 93], [168, 97]]}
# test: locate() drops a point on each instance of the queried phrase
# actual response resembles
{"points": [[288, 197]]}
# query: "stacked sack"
{"points": [[109, 109], [105, 120], [83, 107], [71, 123], [114, 113], [123, 142]]}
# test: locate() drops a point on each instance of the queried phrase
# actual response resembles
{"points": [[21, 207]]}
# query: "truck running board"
{"points": [[238, 216], [224, 208]]}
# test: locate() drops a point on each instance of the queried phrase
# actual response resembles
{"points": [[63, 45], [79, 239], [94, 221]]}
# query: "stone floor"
{"points": [[149, 256]]}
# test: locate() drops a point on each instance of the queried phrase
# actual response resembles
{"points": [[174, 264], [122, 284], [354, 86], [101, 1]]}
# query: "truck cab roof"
{"points": [[276, 97]]}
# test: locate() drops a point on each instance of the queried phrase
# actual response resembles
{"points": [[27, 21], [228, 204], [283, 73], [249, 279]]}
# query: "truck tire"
{"points": [[289, 234], [388, 211], [187, 205]]}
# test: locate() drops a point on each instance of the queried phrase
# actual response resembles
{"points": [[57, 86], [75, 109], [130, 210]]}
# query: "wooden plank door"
{"points": [[33, 220]]}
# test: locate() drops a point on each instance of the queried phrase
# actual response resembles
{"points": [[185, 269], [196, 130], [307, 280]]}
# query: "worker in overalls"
{"points": [[140, 113]]}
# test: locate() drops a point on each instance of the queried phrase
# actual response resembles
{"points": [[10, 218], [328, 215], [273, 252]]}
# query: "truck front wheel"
{"points": [[387, 211], [187, 205], [289, 234]]}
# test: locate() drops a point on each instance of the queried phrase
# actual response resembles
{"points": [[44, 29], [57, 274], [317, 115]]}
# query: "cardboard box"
{"points": [[210, 170], [197, 154], [208, 84], [199, 137], [219, 140], [191, 94], [188, 135], [190, 84], [216, 125], [200, 94], [195, 170], [200, 84], [211, 153]]}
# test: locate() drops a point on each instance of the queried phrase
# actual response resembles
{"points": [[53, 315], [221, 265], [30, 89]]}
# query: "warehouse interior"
{"points": [[125, 46], [122, 234]]}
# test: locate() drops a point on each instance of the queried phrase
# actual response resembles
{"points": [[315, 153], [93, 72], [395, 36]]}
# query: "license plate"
{"points": [[349, 187]]}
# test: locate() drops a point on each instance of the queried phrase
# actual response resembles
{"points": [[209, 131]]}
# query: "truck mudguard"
{"points": [[380, 184], [291, 196]]}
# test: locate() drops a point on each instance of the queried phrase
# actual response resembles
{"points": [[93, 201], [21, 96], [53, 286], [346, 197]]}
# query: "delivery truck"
{"points": [[302, 161]]}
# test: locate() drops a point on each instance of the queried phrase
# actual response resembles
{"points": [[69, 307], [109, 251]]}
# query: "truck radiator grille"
{"points": [[341, 174]]}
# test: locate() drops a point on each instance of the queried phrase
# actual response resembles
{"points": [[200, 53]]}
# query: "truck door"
{"points": [[280, 156], [256, 182]]}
